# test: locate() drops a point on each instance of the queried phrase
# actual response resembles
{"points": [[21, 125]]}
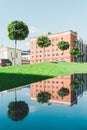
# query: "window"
{"points": [[62, 82], [53, 81], [56, 39], [56, 97], [48, 81], [11, 54], [52, 40], [61, 38], [16, 55]]}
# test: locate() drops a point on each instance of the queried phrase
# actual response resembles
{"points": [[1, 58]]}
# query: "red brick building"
{"points": [[52, 53]]}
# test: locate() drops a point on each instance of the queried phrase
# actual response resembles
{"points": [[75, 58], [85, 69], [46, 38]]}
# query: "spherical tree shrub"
{"points": [[63, 45], [18, 110], [63, 92], [43, 97], [43, 42]]}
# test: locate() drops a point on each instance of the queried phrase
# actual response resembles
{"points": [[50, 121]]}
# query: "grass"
{"points": [[15, 76]]}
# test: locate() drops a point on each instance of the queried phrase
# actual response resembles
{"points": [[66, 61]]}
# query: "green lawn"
{"points": [[14, 76]]}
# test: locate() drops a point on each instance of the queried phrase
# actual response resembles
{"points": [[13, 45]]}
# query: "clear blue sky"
{"points": [[43, 16]]}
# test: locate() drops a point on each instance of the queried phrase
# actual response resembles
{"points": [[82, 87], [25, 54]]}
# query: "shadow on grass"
{"points": [[58, 62], [55, 62], [10, 80]]}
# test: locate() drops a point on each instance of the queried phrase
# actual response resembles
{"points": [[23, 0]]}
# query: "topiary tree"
{"points": [[43, 42], [43, 97], [80, 55], [63, 92], [17, 30], [63, 45], [76, 53], [18, 110]]}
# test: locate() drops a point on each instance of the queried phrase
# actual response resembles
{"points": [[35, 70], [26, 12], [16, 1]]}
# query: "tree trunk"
{"points": [[15, 52], [63, 81], [44, 85], [44, 53], [15, 96], [63, 84], [73, 58], [63, 57]]}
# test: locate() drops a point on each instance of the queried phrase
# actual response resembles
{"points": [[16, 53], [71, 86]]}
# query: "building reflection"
{"points": [[53, 85]]}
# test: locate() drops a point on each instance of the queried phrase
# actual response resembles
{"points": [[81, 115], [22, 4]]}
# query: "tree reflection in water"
{"points": [[18, 110], [75, 84], [63, 92], [43, 97]]}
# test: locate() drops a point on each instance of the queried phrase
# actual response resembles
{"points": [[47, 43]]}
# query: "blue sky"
{"points": [[43, 16]]}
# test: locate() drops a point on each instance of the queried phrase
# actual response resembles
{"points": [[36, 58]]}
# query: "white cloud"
{"points": [[33, 29], [23, 46], [32, 108]]}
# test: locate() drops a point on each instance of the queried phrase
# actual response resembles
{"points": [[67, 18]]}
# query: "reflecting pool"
{"points": [[56, 104]]}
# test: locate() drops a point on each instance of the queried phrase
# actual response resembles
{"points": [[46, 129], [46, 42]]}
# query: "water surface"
{"points": [[60, 113]]}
